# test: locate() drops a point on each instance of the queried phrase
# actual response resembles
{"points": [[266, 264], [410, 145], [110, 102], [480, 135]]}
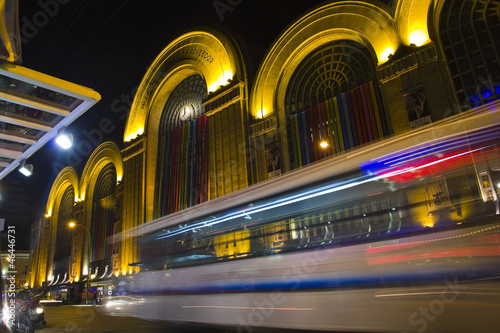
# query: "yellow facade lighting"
{"points": [[323, 144], [132, 136], [418, 37], [225, 77], [261, 113], [228, 75], [386, 54], [213, 87]]}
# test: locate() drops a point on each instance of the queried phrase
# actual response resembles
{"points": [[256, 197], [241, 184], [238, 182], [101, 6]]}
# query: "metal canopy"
{"points": [[33, 108]]}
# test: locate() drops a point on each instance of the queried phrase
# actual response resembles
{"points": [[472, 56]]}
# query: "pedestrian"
{"points": [[94, 299]]}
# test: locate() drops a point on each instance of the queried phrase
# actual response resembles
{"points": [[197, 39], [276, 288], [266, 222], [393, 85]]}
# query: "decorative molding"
{"points": [[419, 57], [133, 150], [265, 125], [223, 99]]}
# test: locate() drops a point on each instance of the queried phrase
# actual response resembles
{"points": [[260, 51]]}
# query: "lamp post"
{"points": [[73, 225]]}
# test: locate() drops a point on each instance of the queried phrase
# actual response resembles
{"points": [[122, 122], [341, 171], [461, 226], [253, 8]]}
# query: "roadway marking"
{"points": [[244, 308]]}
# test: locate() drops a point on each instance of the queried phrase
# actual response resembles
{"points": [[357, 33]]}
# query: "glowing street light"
{"points": [[74, 225], [26, 169], [64, 140]]}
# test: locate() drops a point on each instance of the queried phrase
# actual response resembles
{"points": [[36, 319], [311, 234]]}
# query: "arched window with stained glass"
{"points": [[182, 164], [104, 214]]}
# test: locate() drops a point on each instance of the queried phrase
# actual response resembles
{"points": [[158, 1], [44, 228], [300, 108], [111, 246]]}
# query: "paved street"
{"points": [[86, 319], [91, 319], [83, 319]]}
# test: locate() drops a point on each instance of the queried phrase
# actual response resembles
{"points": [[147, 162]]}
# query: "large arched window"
{"points": [[103, 214], [332, 99], [470, 36], [182, 171]]}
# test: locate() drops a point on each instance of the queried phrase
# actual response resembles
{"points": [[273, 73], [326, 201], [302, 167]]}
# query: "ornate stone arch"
{"points": [[107, 152], [67, 177], [365, 23], [104, 155], [211, 54], [65, 180]]}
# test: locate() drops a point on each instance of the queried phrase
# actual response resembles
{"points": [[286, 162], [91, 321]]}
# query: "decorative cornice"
{"points": [[409, 62], [134, 149], [222, 100]]}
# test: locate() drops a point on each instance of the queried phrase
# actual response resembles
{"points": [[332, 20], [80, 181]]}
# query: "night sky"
{"points": [[108, 46]]}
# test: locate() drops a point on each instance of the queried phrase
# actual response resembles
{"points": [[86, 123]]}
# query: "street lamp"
{"points": [[26, 169], [64, 140], [74, 225]]}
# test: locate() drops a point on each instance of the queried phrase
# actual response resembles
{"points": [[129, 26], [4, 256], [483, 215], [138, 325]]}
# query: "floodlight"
{"points": [[64, 140], [26, 169]]}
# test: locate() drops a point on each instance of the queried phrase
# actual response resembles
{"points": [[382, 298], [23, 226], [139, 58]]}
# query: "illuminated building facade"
{"points": [[345, 75]]}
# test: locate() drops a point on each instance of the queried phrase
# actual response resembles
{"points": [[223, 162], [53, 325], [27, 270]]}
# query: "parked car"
{"points": [[22, 312]]}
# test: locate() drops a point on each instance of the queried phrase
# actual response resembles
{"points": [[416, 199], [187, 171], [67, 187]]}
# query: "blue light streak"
{"points": [[310, 194]]}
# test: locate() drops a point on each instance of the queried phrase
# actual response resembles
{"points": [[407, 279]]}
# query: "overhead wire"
{"points": [[88, 40], [92, 37], [66, 30]]}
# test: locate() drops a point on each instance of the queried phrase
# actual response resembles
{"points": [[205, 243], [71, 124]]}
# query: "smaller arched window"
{"points": [[63, 242], [103, 212], [63, 239]]}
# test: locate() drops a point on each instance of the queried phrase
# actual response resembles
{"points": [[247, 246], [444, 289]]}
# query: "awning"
{"points": [[34, 107]]}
